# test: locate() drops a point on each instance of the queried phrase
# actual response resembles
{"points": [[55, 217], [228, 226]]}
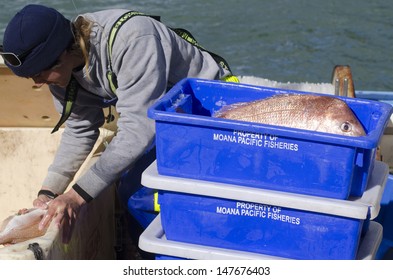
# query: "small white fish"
{"points": [[22, 226]]}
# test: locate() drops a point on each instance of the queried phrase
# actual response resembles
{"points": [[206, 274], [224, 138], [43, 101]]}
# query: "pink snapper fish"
{"points": [[22, 226], [311, 112]]}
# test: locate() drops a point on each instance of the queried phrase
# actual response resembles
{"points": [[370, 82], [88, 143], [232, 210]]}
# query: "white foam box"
{"points": [[302, 227], [153, 240]]}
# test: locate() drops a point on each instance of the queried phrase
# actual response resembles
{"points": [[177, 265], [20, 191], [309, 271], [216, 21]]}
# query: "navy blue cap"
{"points": [[44, 31]]}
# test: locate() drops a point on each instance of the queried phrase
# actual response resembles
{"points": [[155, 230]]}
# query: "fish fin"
{"points": [[221, 113]]}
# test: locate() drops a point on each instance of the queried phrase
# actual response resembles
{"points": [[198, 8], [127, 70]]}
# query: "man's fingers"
{"points": [[68, 224], [50, 214], [40, 204], [63, 212], [45, 221], [59, 217]]}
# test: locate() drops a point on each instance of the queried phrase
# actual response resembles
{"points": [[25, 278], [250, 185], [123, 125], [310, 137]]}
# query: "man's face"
{"points": [[58, 74]]}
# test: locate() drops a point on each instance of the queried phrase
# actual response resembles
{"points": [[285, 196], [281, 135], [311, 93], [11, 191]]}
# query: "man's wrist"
{"points": [[82, 193]]}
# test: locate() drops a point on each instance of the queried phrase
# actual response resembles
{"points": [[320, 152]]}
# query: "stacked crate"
{"points": [[263, 189]]}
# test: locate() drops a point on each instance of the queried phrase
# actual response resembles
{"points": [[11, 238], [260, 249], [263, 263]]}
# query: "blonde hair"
{"points": [[82, 30]]}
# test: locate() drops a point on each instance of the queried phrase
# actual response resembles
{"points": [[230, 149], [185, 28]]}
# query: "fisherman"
{"points": [[106, 58]]}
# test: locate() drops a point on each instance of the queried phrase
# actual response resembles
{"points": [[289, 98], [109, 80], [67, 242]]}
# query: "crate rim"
{"points": [[370, 141]]}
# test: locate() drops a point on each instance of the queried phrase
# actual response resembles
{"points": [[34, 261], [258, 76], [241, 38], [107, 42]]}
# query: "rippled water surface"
{"points": [[281, 40]]}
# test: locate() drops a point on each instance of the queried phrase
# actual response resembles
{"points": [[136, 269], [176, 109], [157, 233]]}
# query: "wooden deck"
{"points": [[22, 105]]}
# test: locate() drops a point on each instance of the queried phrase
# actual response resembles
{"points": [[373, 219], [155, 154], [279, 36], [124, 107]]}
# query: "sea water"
{"points": [[281, 40]]}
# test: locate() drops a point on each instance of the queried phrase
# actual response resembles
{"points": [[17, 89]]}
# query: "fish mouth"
{"points": [[359, 132]]}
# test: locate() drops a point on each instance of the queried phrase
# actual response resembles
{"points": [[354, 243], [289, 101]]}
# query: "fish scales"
{"points": [[310, 112]]}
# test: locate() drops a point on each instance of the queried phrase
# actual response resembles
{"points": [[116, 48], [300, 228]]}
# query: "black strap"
{"points": [[47, 193], [82, 193], [70, 97], [37, 250]]}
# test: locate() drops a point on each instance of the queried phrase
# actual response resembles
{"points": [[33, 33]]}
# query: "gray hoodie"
{"points": [[147, 58]]}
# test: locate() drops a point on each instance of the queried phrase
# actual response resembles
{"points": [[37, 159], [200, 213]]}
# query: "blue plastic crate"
{"points": [[266, 222], [385, 218], [258, 228], [192, 144]]}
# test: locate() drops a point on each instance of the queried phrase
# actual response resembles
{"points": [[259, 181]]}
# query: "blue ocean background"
{"points": [[281, 40]]}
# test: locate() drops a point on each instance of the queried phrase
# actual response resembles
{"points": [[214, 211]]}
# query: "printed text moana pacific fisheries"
{"points": [[255, 139]]}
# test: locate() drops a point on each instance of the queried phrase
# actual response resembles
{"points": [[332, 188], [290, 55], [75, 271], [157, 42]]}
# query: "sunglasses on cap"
{"points": [[13, 59]]}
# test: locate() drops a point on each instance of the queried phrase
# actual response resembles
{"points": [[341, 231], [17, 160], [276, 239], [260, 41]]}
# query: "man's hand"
{"points": [[63, 210]]}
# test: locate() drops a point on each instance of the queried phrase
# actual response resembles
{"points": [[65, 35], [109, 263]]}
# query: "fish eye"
{"points": [[346, 127]]}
